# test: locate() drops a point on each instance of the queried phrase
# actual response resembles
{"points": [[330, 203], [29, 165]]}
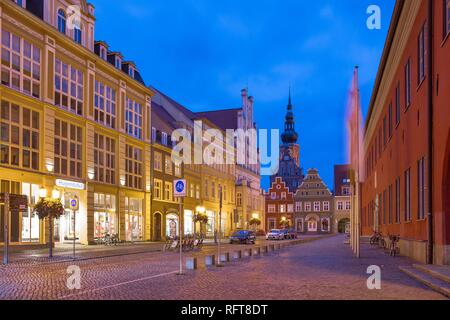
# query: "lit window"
{"points": [[239, 200], [271, 208], [61, 21], [167, 165], [68, 87], [157, 189], [21, 64], [168, 195], [290, 208], [105, 105], [157, 161], [153, 134]]}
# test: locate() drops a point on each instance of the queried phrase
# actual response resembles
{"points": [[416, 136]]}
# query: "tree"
{"points": [[51, 209], [285, 224], [255, 222]]}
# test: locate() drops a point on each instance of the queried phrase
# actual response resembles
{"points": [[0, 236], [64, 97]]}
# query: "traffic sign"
{"points": [[74, 204], [179, 188]]}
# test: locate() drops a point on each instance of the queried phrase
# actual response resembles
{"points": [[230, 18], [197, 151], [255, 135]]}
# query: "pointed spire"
{"points": [[290, 102], [289, 135]]}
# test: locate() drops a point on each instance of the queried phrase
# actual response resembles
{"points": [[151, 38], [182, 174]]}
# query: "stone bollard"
{"points": [[210, 260], [277, 246], [271, 247], [248, 252], [191, 263], [264, 249], [237, 255], [225, 257], [257, 251]]}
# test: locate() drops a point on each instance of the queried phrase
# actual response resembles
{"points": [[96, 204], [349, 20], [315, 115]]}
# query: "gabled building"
{"points": [[279, 206], [314, 205], [342, 198]]}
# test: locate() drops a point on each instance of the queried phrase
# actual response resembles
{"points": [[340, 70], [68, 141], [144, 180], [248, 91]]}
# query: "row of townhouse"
{"points": [[78, 121]]}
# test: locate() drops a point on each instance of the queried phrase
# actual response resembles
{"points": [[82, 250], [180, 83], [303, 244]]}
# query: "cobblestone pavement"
{"points": [[321, 269]]}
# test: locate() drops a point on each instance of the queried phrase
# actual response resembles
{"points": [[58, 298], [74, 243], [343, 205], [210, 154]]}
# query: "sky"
{"points": [[203, 52]]}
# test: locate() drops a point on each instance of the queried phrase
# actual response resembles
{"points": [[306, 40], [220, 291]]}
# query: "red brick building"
{"points": [[407, 134], [279, 205]]}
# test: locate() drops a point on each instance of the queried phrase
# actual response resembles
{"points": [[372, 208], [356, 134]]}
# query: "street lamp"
{"points": [[56, 194], [42, 192], [198, 210]]}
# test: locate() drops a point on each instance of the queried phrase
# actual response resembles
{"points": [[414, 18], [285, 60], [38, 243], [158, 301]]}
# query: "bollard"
{"points": [[271, 247], [248, 252], [225, 257], [237, 255], [210, 260], [191, 263], [264, 249], [257, 251]]}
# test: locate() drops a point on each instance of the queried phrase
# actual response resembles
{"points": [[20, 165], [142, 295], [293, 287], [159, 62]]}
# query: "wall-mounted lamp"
{"points": [[42, 192], [56, 194]]}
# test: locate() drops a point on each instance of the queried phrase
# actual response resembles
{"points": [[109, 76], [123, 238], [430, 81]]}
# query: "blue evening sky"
{"points": [[202, 52]]}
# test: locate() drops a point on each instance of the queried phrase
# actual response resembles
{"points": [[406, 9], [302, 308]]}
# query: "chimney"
{"points": [[244, 98], [251, 100]]}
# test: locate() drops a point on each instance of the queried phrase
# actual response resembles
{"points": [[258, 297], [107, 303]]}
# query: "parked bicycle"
{"points": [[378, 239], [394, 249]]}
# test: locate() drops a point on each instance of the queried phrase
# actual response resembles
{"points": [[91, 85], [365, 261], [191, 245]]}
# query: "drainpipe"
{"points": [[430, 132]]}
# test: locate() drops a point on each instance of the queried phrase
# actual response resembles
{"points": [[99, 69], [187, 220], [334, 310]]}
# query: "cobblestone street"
{"points": [[321, 269]]}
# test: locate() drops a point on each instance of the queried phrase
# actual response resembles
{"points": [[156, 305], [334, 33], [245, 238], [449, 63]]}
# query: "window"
{"points": [[133, 167], [408, 195], [397, 104], [239, 199], [168, 195], [19, 136], [164, 138], [385, 134], [21, 3], [157, 161], [213, 190], [77, 34], [447, 17], [118, 63], [272, 223], [271, 208], [103, 53], [104, 159], [224, 193], [390, 204], [105, 105], [397, 200], [153, 134], [385, 207], [21, 64], [133, 118], [206, 190], [390, 125], [197, 191], [68, 149], [345, 191], [131, 72], [290, 208], [157, 189], [421, 55], [167, 165], [68, 87], [273, 195], [283, 196], [421, 189], [326, 206], [298, 207], [177, 169], [61, 21], [340, 205], [308, 206], [347, 205], [408, 84], [282, 208], [316, 206]]}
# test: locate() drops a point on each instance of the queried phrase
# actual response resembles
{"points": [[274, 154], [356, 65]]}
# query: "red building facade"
{"points": [[407, 134], [279, 205]]}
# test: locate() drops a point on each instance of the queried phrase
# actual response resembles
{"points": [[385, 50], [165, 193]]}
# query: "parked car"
{"points": [[275, 234], [243, 236], [286, 234]]}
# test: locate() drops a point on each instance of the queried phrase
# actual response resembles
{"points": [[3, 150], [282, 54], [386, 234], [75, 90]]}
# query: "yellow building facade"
{"points": [[75, 121]]}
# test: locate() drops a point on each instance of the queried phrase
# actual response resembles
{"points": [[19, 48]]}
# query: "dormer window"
{"points": [[131, 72], [21, 3], [61, 21], [77, 34], [164, 138], [118, 63], [103, 53]]}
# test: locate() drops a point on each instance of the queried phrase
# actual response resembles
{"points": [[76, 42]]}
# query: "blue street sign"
{"points": [[179, 188]]}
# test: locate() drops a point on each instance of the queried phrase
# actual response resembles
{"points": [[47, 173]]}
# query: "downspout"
{"points": [[430, 254]]}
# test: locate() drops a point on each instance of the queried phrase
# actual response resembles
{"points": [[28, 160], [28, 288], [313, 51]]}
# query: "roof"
{"points": [[161, 119], [191, 115], [386, 52], [225, 119]]}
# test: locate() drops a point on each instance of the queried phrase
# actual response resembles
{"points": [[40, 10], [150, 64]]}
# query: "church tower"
{"points": [[289, 165]]}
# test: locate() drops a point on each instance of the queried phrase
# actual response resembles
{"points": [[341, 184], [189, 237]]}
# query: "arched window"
{"points": [[77, 34], [61, 21]]}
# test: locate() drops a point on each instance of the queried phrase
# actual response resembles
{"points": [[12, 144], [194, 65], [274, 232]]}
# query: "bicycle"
{"points": [[393, 246]]}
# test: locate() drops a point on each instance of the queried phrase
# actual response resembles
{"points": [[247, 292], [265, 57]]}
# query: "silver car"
{"points": [[275, 234]]}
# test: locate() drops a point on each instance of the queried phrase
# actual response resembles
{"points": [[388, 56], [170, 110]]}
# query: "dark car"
{"points": [[286, 234], [243, 236], [292, 234]]}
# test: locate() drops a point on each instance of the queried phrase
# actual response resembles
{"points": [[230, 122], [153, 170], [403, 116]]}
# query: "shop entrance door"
{"points": [[157, 230]]}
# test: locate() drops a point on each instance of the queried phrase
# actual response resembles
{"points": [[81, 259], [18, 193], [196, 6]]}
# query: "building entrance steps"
{"points": [[434, 277]]}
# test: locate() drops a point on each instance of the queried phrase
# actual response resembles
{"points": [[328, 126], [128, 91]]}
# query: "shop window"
{"points": [[19, 136], [105, 215], [105, 105], [68, 87], [68, 149], [21, 64], [133, 219]]}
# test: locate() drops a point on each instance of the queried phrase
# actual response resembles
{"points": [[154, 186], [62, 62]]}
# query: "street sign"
{"points": [[74, 204], [179, 188]]}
